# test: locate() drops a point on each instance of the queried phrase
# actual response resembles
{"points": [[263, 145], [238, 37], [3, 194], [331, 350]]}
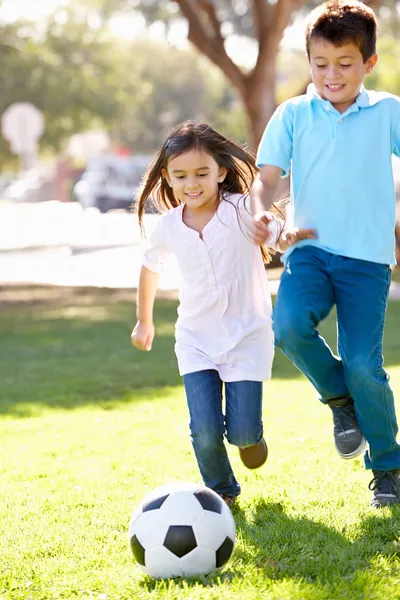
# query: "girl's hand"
{"points": [[292, 236], [142, 336], [260, 232]]}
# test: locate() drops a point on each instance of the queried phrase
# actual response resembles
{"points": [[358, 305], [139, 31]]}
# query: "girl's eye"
{"points": [[320, 66], [203, 174], [180, 176], [345, 66]]}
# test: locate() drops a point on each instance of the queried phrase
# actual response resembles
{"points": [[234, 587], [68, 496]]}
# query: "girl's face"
{"points": [[194, 178], [338, 71]]}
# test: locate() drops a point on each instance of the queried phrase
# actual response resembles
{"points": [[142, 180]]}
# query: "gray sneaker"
{"points": [[386, 488], [349, 440]]}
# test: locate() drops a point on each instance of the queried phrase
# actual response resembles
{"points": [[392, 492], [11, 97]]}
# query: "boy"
{"points": [[338, 141]]}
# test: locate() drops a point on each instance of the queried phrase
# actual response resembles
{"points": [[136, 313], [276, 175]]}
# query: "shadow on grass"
{"points": [[69, 348], [281, 547], [78, 352]]}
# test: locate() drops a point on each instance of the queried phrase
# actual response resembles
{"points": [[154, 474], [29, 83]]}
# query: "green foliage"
{"points": [[386, 76], [63, 70]]}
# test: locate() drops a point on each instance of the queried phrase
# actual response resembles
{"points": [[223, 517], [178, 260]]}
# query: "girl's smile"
{"points": [[194, 177]]}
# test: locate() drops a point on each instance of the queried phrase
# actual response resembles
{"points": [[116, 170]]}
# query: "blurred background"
{"points": [[91, 88]]}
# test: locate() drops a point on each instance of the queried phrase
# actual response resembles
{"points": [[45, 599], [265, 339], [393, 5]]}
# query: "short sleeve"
{"points": [[276, 144], [396, 136], [157, 248]]}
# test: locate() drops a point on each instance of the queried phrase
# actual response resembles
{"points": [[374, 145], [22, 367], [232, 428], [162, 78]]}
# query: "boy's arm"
{"points": [[264, 188], [262, 197], [143, 334]]}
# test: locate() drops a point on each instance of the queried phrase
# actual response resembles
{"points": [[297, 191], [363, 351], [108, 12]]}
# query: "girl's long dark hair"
{"points": [[192, 135]]}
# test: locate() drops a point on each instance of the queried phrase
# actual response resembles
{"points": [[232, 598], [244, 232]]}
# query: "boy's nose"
{"points": [[332, 72]]}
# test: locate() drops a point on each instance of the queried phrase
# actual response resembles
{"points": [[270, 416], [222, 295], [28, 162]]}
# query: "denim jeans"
{"points": [[313, 281], [241, 424]]}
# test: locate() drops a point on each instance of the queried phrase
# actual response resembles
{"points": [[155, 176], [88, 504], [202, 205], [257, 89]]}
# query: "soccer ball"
{"points": [[181, 529]]}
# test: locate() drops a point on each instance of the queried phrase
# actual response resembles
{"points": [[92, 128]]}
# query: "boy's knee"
{"points": [[291, 326], [359, 368]]}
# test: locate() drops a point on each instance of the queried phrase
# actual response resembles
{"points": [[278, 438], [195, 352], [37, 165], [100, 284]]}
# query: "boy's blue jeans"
{"points": [[312, 282], [242, 424]]}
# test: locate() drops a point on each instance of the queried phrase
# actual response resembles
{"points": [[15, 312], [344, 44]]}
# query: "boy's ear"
{"points": [[371, 64], [164, 173]]}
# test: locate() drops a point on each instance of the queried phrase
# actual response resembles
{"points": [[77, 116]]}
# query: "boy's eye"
{"points": [[345, 66], [320, 66], [203, 174]]}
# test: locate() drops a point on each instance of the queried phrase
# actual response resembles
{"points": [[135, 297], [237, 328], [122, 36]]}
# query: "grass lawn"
{"points": [[88, 426]]}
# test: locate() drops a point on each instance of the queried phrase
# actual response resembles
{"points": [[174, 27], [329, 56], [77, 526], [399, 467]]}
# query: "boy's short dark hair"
{"points": [[340, 22]]}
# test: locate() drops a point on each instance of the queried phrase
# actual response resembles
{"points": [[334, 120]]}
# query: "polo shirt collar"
{"points": [[365, 98]]}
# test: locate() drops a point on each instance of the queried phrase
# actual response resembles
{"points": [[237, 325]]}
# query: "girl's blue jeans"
{"points": [[312, 283], [241, 424]]}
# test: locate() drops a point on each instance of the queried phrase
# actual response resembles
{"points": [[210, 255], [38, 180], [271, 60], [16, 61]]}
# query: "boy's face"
{"points": [[338, 71]]}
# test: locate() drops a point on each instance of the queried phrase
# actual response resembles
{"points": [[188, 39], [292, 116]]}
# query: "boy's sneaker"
{"points": [[254, 456], [349, 440], [386, 488]]}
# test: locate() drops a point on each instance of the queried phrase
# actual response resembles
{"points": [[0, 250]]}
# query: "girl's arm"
{"points": [[143, 334]]}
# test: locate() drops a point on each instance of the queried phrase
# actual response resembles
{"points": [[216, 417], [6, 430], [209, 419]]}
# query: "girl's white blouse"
{"points": [[224, 313]]}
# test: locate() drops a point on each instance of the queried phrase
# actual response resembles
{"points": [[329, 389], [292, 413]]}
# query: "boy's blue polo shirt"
{"points": [[341, 170]]}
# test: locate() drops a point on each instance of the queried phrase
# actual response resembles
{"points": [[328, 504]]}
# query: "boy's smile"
{"points": [[338, 72]]}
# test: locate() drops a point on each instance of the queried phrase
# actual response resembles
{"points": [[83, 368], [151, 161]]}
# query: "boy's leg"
{"points": [[305, 297], [362, 290], [207, 426], [244, 421]]}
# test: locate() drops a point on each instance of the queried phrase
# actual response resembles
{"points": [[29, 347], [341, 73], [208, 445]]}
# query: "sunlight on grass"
{"points": [[88, 426]]}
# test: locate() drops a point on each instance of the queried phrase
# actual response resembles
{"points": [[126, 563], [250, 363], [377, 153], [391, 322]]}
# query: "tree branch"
{"points": [[205, 34]]}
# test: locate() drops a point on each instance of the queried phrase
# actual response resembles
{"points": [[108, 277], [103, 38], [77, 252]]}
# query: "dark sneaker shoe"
{"points": [[254, 456], [349, 440], [386, 488]]}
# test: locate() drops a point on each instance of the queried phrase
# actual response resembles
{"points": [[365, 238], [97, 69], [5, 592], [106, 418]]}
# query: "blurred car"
{"points": [[110, 182]]}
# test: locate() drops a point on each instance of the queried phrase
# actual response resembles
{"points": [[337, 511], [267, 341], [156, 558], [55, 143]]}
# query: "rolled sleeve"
{"points": [[277, 142], [157, 249], [275, 229]]}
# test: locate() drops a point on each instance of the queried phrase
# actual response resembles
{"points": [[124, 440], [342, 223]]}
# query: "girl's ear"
{"points": [[164, 173], [222, 173]]}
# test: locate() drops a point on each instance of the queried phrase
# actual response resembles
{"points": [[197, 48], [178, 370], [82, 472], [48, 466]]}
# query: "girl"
{"points": [[223, 331]]}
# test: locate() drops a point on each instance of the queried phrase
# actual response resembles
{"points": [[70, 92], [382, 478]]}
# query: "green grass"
{"points": [[88, 426]]}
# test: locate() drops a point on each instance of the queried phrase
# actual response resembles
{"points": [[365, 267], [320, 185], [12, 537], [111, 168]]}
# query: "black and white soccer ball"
{"points": [[181, 529]]}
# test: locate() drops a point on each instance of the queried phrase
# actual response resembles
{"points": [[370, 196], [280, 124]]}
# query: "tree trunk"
{"points": [[259, 102]]}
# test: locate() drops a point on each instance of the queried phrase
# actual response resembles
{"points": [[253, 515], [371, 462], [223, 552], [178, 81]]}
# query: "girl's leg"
{"points": [[207, 426], [244, 421]]}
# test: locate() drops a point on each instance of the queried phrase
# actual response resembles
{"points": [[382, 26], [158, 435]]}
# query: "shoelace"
{"points": [[345, 418], [385, 482]]}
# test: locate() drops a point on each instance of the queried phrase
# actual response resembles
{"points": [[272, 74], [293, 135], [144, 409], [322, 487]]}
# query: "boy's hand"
{"points": [[142, 336], [292, 236], [260, 232]]}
